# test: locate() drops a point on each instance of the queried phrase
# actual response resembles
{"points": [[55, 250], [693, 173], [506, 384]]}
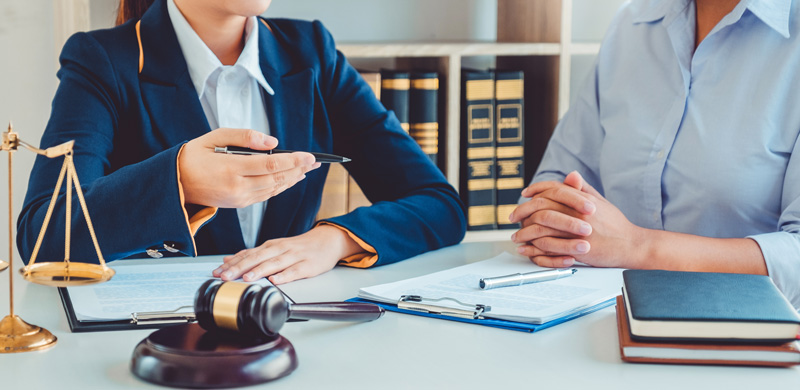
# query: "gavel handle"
{"points": [[335, 311]]}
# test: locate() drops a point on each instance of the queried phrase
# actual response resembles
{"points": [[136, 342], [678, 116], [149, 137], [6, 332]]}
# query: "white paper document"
{"points": [[534, 303], [139, 288]]}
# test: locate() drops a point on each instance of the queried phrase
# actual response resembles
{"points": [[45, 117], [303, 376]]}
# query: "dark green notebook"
{"points": [[672, 305]]}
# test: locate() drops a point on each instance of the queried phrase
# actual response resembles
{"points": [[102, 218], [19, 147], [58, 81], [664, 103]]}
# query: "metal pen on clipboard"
{"points": [[520, 279]]}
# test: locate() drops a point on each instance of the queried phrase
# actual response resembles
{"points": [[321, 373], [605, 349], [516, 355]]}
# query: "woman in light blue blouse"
{"points": [[681, 152]]}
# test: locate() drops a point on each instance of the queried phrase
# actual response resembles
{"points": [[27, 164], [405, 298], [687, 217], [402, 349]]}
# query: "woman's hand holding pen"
{"points": [[569, 221], [287, 259], [233, 181]]}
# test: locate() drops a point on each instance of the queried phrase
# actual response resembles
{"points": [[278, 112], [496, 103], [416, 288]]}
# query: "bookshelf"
{"points": [[534, 36]]}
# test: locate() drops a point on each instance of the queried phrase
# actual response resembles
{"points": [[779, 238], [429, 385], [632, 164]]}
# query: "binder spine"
{"points": [[478, 150], [422, 112], [395, 87], [509, 137]]}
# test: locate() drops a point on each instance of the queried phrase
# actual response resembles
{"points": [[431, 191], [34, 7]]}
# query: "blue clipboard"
{"points": [[502, 324]]}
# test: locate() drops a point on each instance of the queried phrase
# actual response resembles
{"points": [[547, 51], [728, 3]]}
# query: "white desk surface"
{"points": [[396, 351]]}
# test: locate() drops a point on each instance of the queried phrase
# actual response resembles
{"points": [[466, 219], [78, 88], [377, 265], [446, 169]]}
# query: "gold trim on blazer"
{"points": [[141, 50]]}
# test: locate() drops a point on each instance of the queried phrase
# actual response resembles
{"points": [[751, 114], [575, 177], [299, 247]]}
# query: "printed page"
{"points": [[531, 303], [142, 288]]}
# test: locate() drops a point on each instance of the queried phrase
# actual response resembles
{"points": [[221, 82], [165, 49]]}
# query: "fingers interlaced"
{"points": [[545, 259], [561, 198], [562, 246]]}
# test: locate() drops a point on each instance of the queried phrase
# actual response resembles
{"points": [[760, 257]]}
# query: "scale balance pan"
{"points": [[188, 356], [66, 274]]}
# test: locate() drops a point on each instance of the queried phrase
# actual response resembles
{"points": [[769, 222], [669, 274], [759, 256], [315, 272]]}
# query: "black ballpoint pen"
{"points": [[321, 157]]}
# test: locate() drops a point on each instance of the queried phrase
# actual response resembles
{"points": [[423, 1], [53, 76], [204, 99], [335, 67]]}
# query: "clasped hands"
{"points": [[235, 181], [571, 221]]}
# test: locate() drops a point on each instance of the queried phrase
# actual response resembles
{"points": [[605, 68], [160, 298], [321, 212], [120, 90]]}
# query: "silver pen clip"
{"points": [[415, 303]]}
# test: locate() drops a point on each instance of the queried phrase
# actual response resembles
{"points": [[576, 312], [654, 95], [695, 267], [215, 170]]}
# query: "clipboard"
{"points": [[78, 326], [138, 320], [473, 314]]}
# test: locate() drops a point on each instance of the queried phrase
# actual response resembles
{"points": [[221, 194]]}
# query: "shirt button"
{"points": [[660, 154], [655, 216]]}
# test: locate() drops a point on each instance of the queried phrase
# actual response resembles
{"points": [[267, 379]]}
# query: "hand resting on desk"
{"points": [[287, 259]]}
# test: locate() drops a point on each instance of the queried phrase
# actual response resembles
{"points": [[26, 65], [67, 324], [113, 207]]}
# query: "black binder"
{"points": [[477, 177], [423, 122], [510, 154]]}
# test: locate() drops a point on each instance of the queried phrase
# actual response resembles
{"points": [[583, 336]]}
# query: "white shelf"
{"points": [[585, 48], [444, 49]]}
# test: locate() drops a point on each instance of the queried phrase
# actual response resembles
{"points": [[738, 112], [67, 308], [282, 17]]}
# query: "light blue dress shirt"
{"points": [[231, 95], [703, 141]]}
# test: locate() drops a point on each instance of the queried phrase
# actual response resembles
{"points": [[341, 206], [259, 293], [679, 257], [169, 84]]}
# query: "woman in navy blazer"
{"points": [[144, 152]]}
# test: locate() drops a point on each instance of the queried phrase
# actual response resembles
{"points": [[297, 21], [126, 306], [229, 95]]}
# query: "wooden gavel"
{"points": [[257, 311]]}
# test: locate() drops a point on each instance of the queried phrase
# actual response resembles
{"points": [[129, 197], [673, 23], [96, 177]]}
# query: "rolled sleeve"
{"points": [[781, 252], [781, 249]]}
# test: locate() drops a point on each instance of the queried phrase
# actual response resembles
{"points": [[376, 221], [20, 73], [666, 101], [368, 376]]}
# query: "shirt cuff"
{"points": [[781, 252], [198, 217], [359, 260]]}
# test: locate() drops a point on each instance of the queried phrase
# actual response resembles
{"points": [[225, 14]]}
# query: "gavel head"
{"points": [[248, 309]]}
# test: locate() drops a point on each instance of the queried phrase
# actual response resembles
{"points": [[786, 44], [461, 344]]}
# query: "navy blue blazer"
{"points": [[129, 126]]}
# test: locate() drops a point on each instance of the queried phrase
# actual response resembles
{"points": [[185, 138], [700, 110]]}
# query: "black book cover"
{"points": [[711, 303], [509, 138], [422, 112], [394, 94], [477, 177]]}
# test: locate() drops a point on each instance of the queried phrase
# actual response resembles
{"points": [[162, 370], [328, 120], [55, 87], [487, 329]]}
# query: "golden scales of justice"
{"points": [[17, 335]]}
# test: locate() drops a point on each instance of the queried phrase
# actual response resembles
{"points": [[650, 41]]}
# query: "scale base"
{"points": [[17, 335], [188, 356]]}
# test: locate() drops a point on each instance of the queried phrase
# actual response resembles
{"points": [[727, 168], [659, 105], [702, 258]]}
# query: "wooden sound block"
{"points": [[188, 356]]}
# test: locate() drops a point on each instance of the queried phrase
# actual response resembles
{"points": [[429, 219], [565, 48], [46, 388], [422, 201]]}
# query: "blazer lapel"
{"points": [[291, 121], [167, 90], [175, 111]]}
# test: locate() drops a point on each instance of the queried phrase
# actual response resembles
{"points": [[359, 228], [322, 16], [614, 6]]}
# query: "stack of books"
{"points": [[492, 146], [706, 318]]}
